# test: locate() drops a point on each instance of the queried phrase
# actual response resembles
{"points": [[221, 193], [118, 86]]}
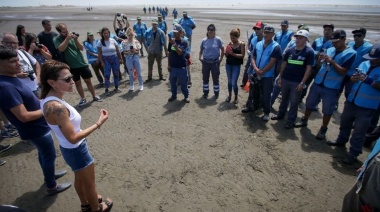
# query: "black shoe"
{"points": [[242, 85], [59, 174], [335, 143], [58, 189], [172, 98], [148, 80], [187, 100], [289, 125], [162, 79], [277, 117], [349, 160], [216, 95], [321, 133], [302, 123], [205, 95], [5, 148], [189, 85], [247, 110], [2, 162]]}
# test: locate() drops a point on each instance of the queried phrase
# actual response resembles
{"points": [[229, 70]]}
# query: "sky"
{"points": [[21, 3]]}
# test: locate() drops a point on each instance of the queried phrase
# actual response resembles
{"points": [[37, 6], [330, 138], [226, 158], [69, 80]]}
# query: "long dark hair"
{"points": [[18, 30], [50, 71], [29, 37], [102, 40]]}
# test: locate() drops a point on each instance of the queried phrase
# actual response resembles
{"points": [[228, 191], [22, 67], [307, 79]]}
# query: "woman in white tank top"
{"points": [[65, 121]]}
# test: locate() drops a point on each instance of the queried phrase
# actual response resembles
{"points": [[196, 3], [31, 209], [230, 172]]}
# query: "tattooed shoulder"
{"points": [[54, 108]]}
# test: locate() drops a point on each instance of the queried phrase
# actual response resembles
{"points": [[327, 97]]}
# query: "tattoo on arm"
{"points": [[54, 108]]}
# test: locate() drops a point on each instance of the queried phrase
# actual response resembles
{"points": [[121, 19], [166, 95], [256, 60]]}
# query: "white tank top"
{"points": [[75, 119]]}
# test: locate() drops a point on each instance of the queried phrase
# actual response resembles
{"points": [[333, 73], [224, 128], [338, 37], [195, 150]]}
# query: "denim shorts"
{"points": [[328, 96], [77, 158]]}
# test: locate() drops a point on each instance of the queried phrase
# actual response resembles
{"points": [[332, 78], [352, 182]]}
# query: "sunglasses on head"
{"points": [[358, 35], [67, 79]]}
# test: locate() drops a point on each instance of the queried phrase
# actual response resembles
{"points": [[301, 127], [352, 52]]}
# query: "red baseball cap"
{"points": [[259, 25]]}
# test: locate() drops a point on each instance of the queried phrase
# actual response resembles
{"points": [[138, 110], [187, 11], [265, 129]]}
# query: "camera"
{"points": [[38, 45], [76, 34], [118, 14], [30, 75]]}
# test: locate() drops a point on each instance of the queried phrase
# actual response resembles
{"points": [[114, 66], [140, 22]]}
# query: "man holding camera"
{"points": [[68, 43], [30, 75], [361, 104]]}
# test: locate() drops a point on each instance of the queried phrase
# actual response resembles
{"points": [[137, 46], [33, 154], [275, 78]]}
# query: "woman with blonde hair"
{"points": [[131, 48], [65, 121], [235, 52]]}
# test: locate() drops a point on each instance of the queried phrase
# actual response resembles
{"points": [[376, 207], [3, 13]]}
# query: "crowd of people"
{"points": [[284, 62]]}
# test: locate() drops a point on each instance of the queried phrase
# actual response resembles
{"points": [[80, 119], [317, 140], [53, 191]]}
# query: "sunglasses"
{"points": [[67, 79], [358, 35], [211, 30]]}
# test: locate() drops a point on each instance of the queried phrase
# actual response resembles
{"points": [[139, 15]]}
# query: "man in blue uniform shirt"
{"points": [[334, 66], [188, 25], [140, 29], [264, 58], [319, 45], [284, 36], [361, 47], [177, 64], [361, 104]]}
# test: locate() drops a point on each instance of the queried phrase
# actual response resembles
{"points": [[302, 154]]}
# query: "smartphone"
{"points": [[104, 112], [130, 47], [358, 71]]}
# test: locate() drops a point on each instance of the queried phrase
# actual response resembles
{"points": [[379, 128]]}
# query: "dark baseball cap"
{"points": [[360, 30], [268, 28], [285, 23], [329, 25], [373, 54], [337, 35]]}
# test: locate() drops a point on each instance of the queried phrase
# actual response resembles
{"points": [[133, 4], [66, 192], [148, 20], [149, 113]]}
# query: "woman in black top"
{"points": [[235, 52]]}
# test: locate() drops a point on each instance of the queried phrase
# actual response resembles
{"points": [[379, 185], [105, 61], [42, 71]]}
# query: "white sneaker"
{"points": [[141, 87], [132, 88], [265, 117]]}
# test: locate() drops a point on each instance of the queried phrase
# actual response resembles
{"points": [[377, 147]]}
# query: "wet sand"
{"points": [[152, 155]]}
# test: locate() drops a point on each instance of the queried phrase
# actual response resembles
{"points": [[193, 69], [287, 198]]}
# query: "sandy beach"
{"points": [[152, 155]]}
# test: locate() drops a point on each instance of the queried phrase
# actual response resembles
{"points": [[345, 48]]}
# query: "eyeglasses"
{"points": [[67, 79], [211, 30], [358, 35]]}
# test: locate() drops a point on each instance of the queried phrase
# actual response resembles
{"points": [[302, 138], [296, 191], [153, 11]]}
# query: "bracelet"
{"points": [[97, 125]]}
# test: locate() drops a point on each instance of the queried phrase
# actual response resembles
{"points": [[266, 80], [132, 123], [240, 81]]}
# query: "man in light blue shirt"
{"points": [[140, 29], [188, 25]]}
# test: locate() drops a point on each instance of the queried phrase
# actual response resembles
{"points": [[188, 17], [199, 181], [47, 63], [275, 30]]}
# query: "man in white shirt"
{"points": [[29, 76]]}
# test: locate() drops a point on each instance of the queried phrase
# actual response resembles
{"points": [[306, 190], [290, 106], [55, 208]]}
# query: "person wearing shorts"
{"points": [[65, 121], [334, 66], [68, 43]]}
